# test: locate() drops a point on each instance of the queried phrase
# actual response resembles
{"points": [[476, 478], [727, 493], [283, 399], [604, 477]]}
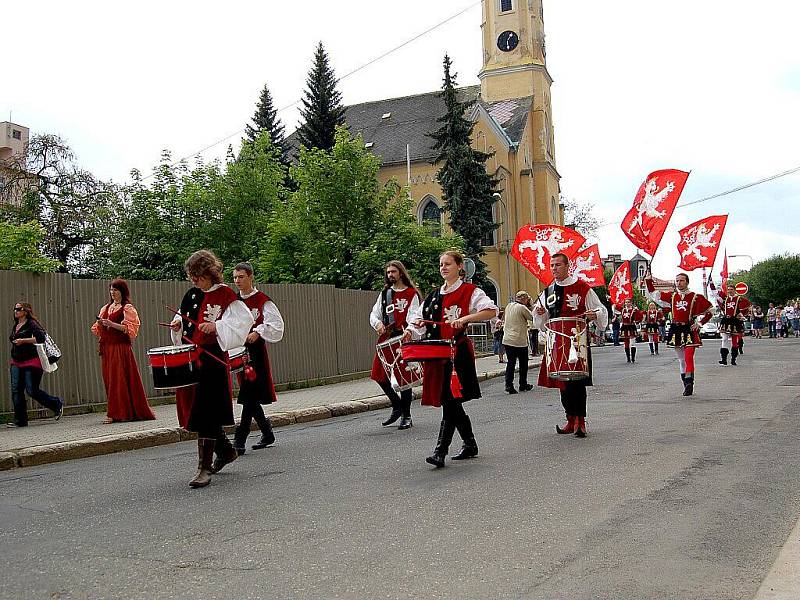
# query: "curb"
{"points": [[110, 444]]}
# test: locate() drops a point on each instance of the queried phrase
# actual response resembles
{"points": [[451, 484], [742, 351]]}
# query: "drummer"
{"points": [[568, 296], [448, 310], [224, 322], [388, 318]]}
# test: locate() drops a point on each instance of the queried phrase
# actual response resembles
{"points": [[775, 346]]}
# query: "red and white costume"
{"points": [[629, 319], [688, 309], [653, 319], [731, 326]]}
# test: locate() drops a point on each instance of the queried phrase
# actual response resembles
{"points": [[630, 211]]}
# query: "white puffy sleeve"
{"points": [[480, 301], [271, 330], [593, 303], [375, 317], [235, 324], [540, 320], [414, 315]]}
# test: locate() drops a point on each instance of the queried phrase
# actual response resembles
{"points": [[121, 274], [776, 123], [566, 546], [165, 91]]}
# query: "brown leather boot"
{"points": [[226, 453], [569, 427], [205, 451]]}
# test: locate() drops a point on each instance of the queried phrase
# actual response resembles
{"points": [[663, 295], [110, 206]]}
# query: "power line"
{"points": [[345, 76], [725, 193]]}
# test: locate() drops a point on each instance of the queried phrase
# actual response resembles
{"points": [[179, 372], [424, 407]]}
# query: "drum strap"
{"points": [[554, 298], [386, 300]]}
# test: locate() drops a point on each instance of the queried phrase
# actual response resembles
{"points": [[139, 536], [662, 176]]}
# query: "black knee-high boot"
{"points": [[633, 354], [405, 406], [723, 352], [651, 348], [470, 447], [446, 431], [628, 354], [688, 384], [656, 345], [734, 354], [397, 411]]}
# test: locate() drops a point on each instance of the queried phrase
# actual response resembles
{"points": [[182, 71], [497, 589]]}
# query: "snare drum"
{"points": [[566, 349], [237, 359], [174, 366], [425, 350], [402, 375]]}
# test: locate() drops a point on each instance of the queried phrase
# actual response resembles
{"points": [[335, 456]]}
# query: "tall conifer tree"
{"points": [[322, 108], [466, 187], [266, 119]]}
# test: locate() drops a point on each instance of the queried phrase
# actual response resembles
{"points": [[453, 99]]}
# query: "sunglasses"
{"points": [[18, 308]]}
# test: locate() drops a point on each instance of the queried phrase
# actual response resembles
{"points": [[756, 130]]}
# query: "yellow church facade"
{"points": [[512, 113]]}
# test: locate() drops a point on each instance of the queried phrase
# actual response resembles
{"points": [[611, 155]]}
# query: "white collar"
{"points": [[397, 289], [456, 285], [568, 281], [246, 296], [213, 288]]}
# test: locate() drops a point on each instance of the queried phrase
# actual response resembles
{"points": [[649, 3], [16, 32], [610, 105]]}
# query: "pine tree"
{"points": [[466, 187], [266, 119], [322, 108]]}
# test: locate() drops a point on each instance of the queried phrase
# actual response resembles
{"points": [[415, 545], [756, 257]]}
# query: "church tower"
{"points": [[513, 50]]}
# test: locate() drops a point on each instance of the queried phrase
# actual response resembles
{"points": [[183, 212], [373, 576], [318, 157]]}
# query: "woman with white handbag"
{"points": [[26, 366]]}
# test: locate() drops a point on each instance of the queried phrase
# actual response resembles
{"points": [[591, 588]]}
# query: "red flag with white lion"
{"points": [[620, 287], [699, 242], [535, 244], [587, 267], [646, 221]]}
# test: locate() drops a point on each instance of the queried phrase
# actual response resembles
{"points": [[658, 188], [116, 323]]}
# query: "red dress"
{"points": [[124, 390]]}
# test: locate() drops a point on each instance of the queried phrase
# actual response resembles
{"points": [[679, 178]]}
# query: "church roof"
{"points": [[388, 125]]}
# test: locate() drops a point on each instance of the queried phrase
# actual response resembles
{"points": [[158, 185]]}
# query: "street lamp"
{"points": [[752, 262], [507, 243]]}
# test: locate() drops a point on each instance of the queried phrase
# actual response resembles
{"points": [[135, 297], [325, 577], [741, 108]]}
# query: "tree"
{"points": [[341, 224], [266, 119], [226, 210], [776, 279], [580, 217], [19, 248], [322, 110], [466, 187], [70, 203]]}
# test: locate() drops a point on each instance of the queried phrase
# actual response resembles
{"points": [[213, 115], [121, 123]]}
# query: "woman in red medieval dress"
{"points": [[117, 326]]}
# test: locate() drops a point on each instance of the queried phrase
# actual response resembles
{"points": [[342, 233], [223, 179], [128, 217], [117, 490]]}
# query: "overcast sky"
{"points": [[709, 86]]}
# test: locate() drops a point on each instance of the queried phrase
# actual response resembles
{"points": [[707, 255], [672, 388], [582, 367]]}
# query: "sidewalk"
{"points": [[80, 436]]}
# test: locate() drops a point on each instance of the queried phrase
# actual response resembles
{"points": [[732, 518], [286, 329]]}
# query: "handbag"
{"points": [[51, 349], [47, 366]]}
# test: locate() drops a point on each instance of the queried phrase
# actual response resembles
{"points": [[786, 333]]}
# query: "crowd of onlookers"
{"points": [[782, 321]]}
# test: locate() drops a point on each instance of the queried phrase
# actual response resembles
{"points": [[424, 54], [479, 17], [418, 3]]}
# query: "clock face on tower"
{"points": [[507, 41]]}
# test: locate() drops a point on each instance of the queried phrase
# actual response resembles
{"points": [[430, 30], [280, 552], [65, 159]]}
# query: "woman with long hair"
{"points": [[26, 368], [117, 326], [445, 314]]}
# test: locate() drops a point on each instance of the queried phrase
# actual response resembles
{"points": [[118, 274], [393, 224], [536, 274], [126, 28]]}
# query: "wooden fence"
{"points": [[327, 330]]}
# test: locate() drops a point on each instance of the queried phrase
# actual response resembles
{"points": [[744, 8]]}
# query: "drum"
{"points": [[424, 350], [566, 349], [237, 359], [402, 375], [174, 366]]}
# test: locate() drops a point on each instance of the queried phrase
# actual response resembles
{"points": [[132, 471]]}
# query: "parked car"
{"points": [[710, 329]]}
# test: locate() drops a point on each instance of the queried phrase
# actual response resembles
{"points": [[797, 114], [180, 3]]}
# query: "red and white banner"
{"points": [[587, 267], [652, 208], [620, 287], [699, 242], [535, 244]]}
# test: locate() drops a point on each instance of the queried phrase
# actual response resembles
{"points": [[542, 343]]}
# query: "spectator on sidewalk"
{"points": [[771, 320], [117, 326], [533, 337], [26, 368], [497, 341], [615, 327], [784, 319], [779, 321], [796, 319], [758, 321], [515, 340]]}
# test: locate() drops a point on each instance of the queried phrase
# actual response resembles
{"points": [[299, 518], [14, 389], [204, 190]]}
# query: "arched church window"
{"points": [[431, 216], [506, 5], [491, 290]]}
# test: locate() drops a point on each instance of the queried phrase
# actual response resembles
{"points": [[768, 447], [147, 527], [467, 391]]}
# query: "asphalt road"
{"points": [[668, 497]]}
